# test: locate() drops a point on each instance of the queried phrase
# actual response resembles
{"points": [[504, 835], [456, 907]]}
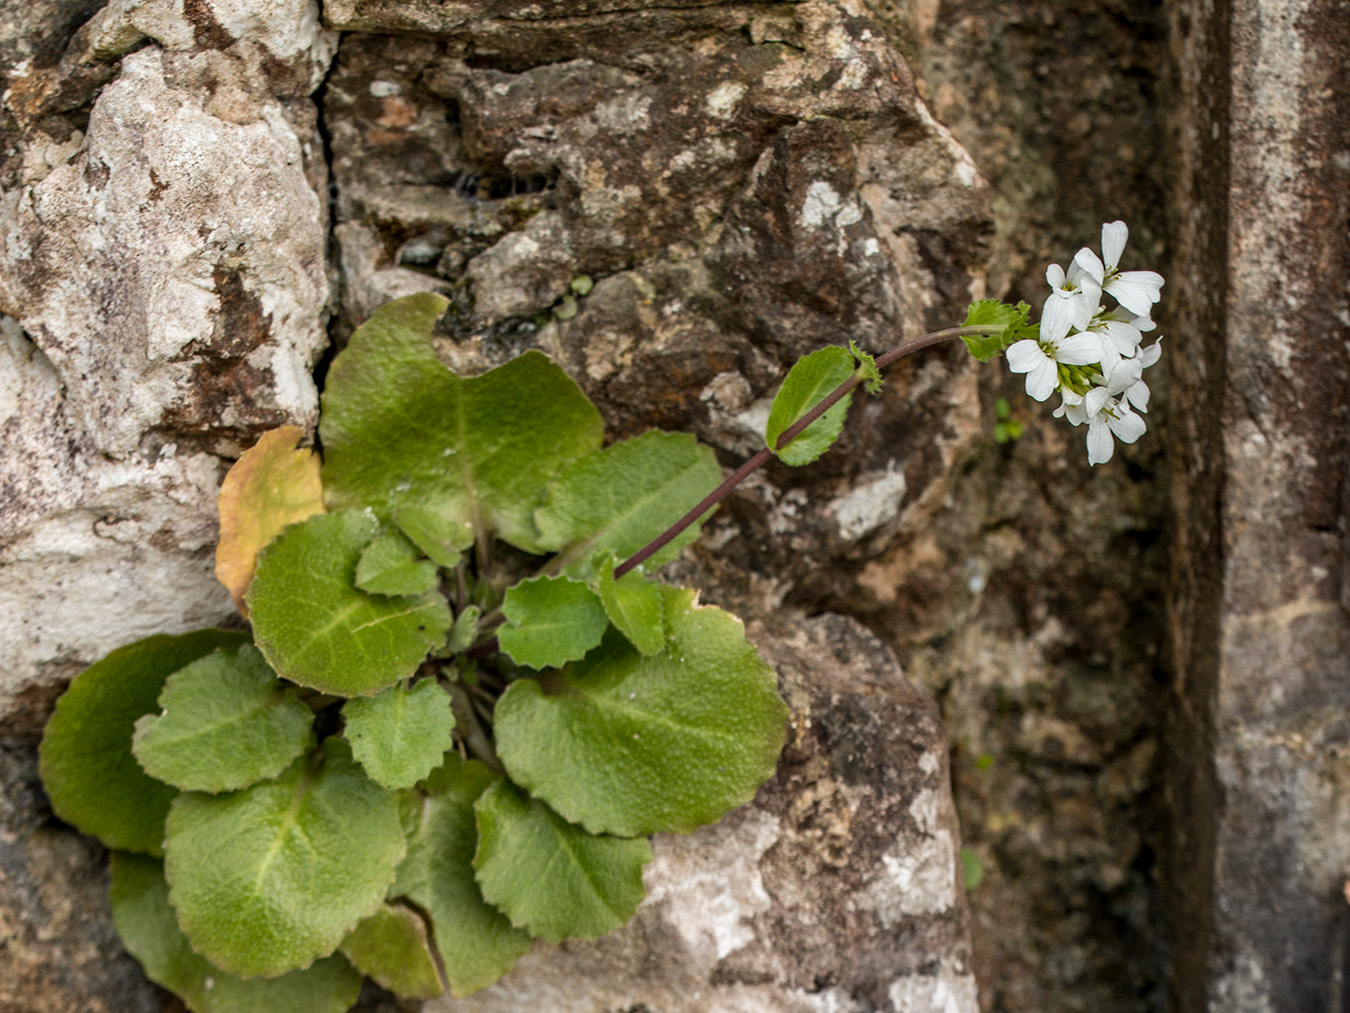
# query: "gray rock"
{"points": [[1260, 844], [58, 950]]}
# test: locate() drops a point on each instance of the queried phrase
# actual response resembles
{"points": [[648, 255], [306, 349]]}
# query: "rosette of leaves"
{"points": [[451, 728]]}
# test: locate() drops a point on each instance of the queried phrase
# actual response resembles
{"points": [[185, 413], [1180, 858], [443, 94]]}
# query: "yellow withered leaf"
{"points": [[275, 483]]}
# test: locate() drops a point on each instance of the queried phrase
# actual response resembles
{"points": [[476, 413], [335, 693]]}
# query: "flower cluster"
{"points": [[1091, 354]]}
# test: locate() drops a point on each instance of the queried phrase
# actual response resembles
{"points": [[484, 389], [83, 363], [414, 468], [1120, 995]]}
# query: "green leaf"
{"points": [[401, 734], [93, 780], [464, 632], [268, 879], [150, 932], [809, 382], [551, 621], [226, 723], [401, 430], [392, 565], [476, 942], [618, 500], [867, 366], [439, 537], [635, 606], [628, 745], [392, 947], [992, 312], [593, 885], [318, 630]]}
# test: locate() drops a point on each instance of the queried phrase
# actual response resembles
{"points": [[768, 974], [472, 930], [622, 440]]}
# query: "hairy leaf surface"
{"points": [[319, 630], [477, 943], [401, 430], [226, 723], [87, 767], [593, 883], [618, 500], [551, 621], [274, 483], [636, 606], [992, 312], [810, 381], [150, 932], [392, 947], [268, 879], [625, 744], [400, 734], [439, 537], [392, 565]]}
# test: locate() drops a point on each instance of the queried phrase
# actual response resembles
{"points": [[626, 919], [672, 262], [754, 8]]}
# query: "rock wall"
{"points": [[740, 183], [1141, 669], [1260, 723]]}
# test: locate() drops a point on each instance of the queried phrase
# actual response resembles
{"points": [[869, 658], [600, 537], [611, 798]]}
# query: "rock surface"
{"points": [[738, 184], [1260, 738]]}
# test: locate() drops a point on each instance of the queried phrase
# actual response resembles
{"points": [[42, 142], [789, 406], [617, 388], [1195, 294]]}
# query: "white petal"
{"points": [[1086, 303], [1086, 261], [1054, 274], [1137, 291], [1080, 349], [1070, 398], [1137, 395], [1099, 443], [1096, 400], [1109, 356], [1057, 317], [1124, 337], [1127, 426], [1073, 412], [1114, 235], [1024, 356], [1042, 380], [1122, 375], [1148, 356]]}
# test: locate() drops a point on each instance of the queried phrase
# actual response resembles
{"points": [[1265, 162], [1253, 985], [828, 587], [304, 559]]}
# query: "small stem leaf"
{"points": [[150, 932], [401, 430], [268, 879], [809, 382], [316, 629], [85, 757], [464, 632], [987, 312], [476, 942], [872, 381], [392, 947], [550, 621], [400, 735], [439, 537], [635, 606], [618, 500], [630, 745], [273, 484], [594, 883], [392, 565], [226, 723]]}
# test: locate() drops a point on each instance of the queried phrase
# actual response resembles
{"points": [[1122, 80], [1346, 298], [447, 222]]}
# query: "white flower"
{"points": [[1072, 302], [1039, 359], [1106, 409], [1137, 291]]}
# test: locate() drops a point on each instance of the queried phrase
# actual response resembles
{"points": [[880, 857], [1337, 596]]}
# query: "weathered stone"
{"points": [[165, 283], [58, 950], [1260, 738], [837, 889]]}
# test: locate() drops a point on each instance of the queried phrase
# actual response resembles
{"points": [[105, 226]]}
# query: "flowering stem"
{"points": [[790, 434], [486, 647]]}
